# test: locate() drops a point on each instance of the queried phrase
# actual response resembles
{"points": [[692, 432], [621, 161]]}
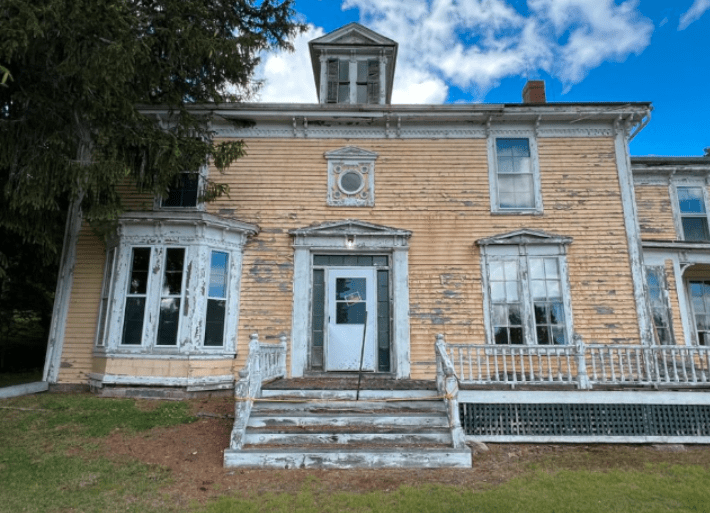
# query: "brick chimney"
{"points": [[534, 92]]}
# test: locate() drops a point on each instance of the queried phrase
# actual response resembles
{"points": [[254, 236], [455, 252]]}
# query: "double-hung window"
{"points": [[526, 290], [514, 175], [692, 214]]}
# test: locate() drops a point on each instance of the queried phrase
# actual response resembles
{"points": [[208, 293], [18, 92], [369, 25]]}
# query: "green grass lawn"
{"points": [[51, 460]]}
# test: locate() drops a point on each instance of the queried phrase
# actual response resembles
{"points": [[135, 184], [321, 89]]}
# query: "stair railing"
{"points": [[447, 386], [265, 362]]}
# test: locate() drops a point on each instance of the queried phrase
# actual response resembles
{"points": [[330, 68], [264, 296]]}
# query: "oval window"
{"points": [[351, 182]]}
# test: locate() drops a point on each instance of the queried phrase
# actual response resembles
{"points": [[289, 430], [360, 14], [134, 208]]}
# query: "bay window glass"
{"points": [[216, 299], [171, 297], [134, 314]]}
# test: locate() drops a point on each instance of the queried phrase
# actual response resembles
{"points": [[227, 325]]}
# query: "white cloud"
{"points": [[694, 13], [473, 44], [288, 76]]}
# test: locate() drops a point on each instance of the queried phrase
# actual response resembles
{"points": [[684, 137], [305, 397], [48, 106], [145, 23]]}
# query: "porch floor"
{"points": [[349, 383]]}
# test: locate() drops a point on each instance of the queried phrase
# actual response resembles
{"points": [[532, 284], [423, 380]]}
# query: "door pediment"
{"points": [[349, 227]]}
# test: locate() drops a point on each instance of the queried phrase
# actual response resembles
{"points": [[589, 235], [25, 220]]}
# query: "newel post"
{"points": [[254, 362], [439, 349], [582, 377], [448, 386]]}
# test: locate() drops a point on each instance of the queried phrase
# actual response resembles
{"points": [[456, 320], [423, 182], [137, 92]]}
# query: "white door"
{"points": [[350, 296]]}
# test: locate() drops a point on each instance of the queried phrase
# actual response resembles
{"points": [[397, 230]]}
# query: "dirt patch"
{"points": [[193, 452]]}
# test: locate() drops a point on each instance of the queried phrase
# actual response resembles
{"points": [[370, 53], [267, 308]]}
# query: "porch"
{"points": [[492, 393]]}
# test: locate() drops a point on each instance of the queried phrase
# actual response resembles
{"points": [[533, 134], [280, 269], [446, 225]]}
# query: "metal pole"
{"points": [[362, 355]]}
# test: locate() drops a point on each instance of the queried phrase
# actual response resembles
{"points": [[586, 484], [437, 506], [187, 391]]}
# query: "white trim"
{"points": [[633, 232], [582, 397], [341, 124], [62, 295], [367, 238], [599, 439], [201, 383]]}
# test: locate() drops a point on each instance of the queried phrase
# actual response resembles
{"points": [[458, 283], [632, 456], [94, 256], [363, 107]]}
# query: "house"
{"points": [[508, 262]]}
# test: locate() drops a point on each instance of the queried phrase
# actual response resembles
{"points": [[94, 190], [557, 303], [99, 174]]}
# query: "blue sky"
{"points": [[484, 51]]}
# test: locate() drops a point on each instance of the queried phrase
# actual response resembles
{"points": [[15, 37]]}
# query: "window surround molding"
{"points": [[351, 160], [528, 132], [675, 183], [350, 237], [199, 234], [523, 244]]}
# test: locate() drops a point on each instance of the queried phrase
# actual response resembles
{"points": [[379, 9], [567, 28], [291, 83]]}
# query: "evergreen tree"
{"points": [[74, 74]]}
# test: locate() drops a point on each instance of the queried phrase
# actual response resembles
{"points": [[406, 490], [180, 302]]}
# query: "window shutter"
{"points": [[332, 81], [373, 81]]}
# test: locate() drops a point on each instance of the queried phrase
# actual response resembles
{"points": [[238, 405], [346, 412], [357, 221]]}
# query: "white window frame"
{"points": [[522, 253], [518, 133], [199, 234], [677, 215], [208, 298]]}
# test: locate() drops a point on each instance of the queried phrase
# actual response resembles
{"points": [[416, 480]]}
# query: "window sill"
{"points": [[172, 355], [517, 212]]}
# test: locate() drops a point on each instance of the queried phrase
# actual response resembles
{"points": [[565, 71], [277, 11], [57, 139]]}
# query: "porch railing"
{"points": [[581, 365], [264, 363]]}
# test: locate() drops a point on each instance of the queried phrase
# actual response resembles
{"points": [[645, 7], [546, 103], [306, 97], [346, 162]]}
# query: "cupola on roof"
{"points": [[354, 65]]}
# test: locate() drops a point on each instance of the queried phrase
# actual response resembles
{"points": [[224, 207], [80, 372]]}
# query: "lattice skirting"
{"points": [[631, 422]]}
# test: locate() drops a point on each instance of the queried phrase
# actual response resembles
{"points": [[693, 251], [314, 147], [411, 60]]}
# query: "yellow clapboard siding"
{"points": [[439, 190], [655, 212]]}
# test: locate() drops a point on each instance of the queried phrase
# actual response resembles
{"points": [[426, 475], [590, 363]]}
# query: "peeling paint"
{"points": [[65, 365], [604, 310]]}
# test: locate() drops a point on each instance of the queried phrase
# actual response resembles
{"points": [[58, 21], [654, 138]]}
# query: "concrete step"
{"points": [[345, 458], [355, 420], [331, 437]]}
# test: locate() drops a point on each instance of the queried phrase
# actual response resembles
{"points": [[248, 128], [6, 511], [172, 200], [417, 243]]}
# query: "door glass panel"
{"points": [[350, 289], [350, 313]]}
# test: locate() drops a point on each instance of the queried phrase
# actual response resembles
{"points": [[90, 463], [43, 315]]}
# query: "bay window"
{"points": [[171, 285]]}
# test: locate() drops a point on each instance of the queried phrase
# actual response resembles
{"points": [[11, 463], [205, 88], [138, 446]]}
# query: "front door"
{"points": [[351, 319]]}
